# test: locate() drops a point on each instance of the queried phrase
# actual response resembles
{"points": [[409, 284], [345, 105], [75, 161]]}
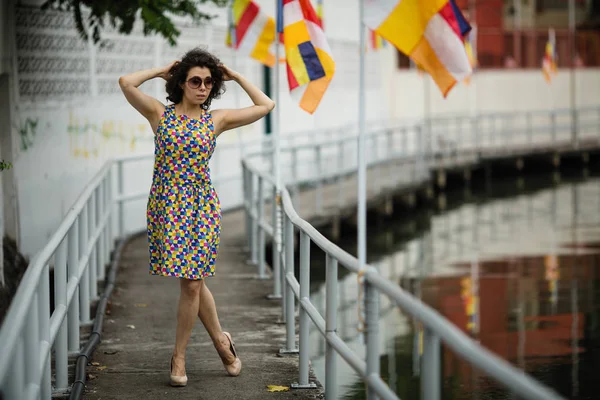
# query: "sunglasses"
{"points": [[196, 82]]}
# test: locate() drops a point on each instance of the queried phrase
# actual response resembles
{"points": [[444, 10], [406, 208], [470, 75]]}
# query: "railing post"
{"points": [[121, 189], [101, 202], [84, 282], [372, 334], [261, 231], [93, 265], [110, 200], [73, 262], [290, 301], [254, 216], [275, 249], [430, 376], [303, 364], [44, 321], [247, 175], [60, 301], [331, 306], [32, 343]]}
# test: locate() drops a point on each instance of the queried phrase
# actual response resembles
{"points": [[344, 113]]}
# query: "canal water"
{"points": [[515, 266]]}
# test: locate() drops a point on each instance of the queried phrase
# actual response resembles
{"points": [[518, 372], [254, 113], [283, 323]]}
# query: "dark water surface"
{"points": [[517, 268]]}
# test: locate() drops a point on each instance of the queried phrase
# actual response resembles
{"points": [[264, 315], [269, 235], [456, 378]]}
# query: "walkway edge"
{"points": [[95, 338]]}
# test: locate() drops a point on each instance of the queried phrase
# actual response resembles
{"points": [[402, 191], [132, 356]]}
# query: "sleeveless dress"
{"points": [[183, 210]]}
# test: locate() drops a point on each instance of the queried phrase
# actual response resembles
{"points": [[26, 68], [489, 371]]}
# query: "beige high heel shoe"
{"points": [[235, 367], [177, 380]]}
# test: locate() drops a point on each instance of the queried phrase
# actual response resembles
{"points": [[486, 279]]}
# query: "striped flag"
{"points": [[253, 31], [376, 42], [430, 32], [549, 60], [310, 66]]}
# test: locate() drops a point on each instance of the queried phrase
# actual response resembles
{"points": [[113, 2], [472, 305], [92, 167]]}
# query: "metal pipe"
{"points": [[276, 264], [372, 333], [121, 189], [572, 83], [254, 213], [84, 284], [32, 343], [303, 362], [101, 202], [44, 334], [72, 264], [93, 266], [290, 318], [261, 231], [60, 299], [331, 306], [431, 378], [361, 144]]}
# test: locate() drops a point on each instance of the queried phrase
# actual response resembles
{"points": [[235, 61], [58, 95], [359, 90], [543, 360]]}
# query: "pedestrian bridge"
{"points": [[88, 320]]}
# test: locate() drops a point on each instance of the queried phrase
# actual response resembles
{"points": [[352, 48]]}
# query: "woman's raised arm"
{"points": [[148, 106], [227, 119]]}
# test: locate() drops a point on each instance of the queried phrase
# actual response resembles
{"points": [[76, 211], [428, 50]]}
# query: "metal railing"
{"points": [[34, 330], [37, 337], [531, 131]]}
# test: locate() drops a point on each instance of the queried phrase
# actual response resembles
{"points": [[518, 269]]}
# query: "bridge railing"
{"points": [[56, 294], [260, 188], [36, 330]]}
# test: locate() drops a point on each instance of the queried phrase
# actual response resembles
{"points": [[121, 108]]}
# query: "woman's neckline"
{"points": [[185, 116]]}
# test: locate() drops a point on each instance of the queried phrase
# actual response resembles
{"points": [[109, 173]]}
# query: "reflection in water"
{"points": [[518, 274]]}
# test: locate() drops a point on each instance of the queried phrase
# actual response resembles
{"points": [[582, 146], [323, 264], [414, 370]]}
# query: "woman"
{"points": [[184, 213]]}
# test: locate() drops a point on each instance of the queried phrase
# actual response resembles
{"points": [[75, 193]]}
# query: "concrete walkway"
{"points": [[132, 362]]}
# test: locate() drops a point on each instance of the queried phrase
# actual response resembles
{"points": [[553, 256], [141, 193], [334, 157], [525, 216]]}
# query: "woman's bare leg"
{"points": [[186, 317], [207, 312]]}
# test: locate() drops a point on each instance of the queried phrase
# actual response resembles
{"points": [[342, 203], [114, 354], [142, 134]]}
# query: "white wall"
{"points": [[71, 116]]}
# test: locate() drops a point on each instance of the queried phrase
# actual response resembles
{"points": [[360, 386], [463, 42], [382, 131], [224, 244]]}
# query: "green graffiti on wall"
{"points": [[27, 132]]}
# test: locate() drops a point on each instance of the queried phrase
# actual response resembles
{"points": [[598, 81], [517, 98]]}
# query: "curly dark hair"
{"points": [[196, 57]]}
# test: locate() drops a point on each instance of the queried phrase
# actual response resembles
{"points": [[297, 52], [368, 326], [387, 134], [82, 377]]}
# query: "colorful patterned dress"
{"points": [[183, 212]]}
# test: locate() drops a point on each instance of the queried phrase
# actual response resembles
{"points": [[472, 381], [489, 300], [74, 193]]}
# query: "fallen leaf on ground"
{"points": [[95, 363], [131, 326], [141, 305], [276, 388], [102, 368], [91, 377]]}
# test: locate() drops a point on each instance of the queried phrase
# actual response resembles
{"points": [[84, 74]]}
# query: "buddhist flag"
{"points": [[310, 66], [320, 13], [254, 31], [430, 32], [471, 49], [549, 60]]}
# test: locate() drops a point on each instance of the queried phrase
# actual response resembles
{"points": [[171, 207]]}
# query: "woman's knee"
{"points": [[191, 288]]}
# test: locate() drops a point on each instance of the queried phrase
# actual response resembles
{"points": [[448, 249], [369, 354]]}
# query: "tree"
{"points": [[122, 15]]}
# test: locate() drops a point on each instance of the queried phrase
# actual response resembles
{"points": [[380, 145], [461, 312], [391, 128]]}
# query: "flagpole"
{"points": [[276, 134], [362, 167], [572, 70], [552, 40], [233, 35]]}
